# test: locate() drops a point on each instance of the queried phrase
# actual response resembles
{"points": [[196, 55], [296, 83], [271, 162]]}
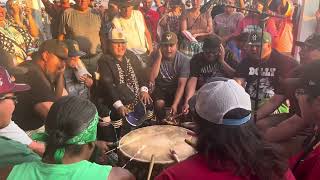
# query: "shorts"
{"points": [[166, 94]]}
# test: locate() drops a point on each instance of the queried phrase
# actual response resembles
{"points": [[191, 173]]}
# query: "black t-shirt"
{"points": [[41, 91], [204, 70], [271, 70]]}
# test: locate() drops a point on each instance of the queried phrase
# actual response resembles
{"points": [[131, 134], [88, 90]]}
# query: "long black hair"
{"points": [[240, 149], [67, 117]]}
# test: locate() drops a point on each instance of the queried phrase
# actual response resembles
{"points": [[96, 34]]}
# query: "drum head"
{"points": [[157, 141]]}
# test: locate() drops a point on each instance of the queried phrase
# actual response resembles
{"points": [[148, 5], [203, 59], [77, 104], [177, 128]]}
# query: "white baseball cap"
{"points": [[215, 99], [116, 35]]}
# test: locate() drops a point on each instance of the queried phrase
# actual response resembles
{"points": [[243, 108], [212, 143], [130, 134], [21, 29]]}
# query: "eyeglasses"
{"points": [[13, 98]]}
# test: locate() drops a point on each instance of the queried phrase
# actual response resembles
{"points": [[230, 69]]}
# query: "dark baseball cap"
{"points": [[7, 61], [56, 47], [212, 42], [169, 38], [7, 86], [312, 41], [255, 38], [73, 48], [310, 79]]}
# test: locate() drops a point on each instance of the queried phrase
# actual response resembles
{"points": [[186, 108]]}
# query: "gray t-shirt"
{"points": [[84, 27], [170, 71]]}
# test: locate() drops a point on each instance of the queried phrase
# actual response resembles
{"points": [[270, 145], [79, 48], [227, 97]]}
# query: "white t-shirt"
{"points": [[14, 132], [134, 31]]}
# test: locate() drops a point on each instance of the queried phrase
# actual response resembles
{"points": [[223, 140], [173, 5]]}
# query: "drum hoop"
{"points": [[156, 161]]}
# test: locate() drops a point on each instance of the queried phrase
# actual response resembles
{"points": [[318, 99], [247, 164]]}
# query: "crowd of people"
{"points": [[66, 101]]}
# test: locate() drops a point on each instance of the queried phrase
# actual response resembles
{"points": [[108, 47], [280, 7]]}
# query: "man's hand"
{"points": [[173, 109], [87, 80], [103, 146], [145, 98], [106, 121], [185, 108], [222, 54], [122, 111]]}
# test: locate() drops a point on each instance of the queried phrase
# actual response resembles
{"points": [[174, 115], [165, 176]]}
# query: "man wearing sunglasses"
{"points": [[46, 77], [213, 62], [13, 140]]}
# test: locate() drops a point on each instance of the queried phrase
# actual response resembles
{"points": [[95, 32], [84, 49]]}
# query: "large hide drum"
{"points": [[158, 141]]}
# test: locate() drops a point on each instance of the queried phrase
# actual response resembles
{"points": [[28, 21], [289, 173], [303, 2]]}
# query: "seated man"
{"points": [[285, 128], [8, 101], [70, 135], [306, 164], [229, 145], [169, 74], [122, 81], [77, 79], [273, 66], [45, 76], [213, 62]]}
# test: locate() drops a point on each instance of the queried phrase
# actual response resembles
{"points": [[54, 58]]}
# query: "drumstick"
{"points": [[138, 152], [174, 155], [125, 144], [151, 167]]}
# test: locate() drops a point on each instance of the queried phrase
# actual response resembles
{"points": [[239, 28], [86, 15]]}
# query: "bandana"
{"points": [[87, 135]]}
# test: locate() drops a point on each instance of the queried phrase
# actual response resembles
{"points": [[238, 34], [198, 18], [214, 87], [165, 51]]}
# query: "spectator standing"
{"points": [[14, 39], [170, 21], [151, 17], [198, 24], [74, 25], [55, 11], [225, 24], [22, 16], [131, 22]]}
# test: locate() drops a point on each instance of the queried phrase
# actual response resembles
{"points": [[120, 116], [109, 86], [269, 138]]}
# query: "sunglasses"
{"points": [[13, 98]]}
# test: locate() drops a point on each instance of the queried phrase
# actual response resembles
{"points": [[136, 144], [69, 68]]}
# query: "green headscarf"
{"points": [[87, 135]]}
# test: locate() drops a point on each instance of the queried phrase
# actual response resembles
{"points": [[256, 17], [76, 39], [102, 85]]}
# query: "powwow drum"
{"points": [[164, 142]]}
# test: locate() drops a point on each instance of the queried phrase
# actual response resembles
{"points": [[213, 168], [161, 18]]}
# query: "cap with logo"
{"points": [[7, 86], [215, 99], [7, 61], [73, 48], [169, 38], [212, 42], [56, 47], [115, 35], [255, 38], [312, 41]]}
